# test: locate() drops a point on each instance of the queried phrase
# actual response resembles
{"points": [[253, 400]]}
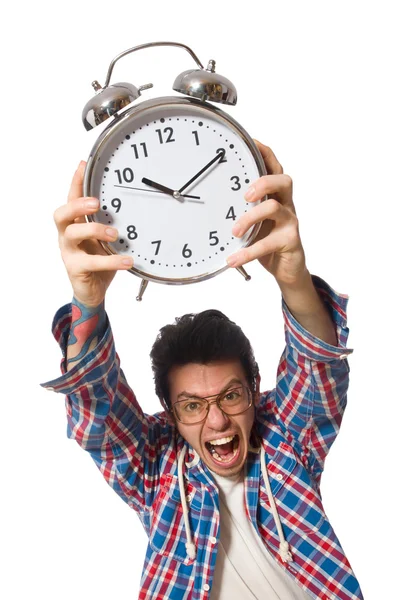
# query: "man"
{"points": [[225, 480]]}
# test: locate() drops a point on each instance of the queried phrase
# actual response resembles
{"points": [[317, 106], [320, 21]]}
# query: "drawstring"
{"points": [[285, 553], [190, 547], [284, 550]]}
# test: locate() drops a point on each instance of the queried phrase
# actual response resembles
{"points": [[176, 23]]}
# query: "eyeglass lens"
{"points": [[232, 401]]}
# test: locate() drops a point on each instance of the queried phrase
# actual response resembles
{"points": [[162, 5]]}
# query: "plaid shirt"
{"points": [[296, 423]]}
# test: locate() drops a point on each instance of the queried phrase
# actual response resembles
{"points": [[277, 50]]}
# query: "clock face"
{"points": [[182, 233]]}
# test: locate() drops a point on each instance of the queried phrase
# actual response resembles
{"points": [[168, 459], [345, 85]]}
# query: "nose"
{"points": [[216, 419]]}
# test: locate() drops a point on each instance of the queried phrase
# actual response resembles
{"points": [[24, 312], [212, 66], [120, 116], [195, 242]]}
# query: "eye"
{"points": [[191, 407], [232, 395]]}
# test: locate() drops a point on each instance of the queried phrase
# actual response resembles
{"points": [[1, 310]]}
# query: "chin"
{"points": [[227, 472]]}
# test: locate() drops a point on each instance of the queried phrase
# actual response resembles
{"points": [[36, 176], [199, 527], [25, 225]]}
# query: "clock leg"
{"points": [[142, 288], [243, 273]]}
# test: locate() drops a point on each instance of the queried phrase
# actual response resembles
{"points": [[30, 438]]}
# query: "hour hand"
{"points": [[158, 186], [167, 190]]}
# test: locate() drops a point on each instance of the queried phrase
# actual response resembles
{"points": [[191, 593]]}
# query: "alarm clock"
{"points": [[171, 173]]}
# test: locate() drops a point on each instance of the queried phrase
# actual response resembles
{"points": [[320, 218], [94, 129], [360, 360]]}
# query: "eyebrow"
{"points": [[187, 395]]}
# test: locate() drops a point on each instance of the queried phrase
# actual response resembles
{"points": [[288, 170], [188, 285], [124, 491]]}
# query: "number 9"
{"points": [[116, 203]]}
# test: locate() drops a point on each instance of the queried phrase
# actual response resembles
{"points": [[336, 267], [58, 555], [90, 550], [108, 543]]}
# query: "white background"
{"points": [[316, 82]]}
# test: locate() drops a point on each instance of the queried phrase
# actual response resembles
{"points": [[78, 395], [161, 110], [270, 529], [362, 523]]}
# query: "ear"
{"points": [[257, 392], [169, 415], [170, 418]]}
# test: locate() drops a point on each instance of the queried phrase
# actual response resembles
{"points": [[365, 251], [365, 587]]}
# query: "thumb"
{"points": [[76, 187]]}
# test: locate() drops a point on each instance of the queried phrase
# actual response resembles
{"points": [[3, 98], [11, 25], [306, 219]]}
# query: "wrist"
{"points": [[305, 304], [87, 327], [88, 308], [298, 290]]}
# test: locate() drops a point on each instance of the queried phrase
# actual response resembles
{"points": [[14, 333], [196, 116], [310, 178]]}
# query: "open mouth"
{"points": [[224, 451]]}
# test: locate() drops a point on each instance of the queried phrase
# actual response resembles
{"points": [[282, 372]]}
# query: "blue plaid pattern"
{"points": [[296, 423]]}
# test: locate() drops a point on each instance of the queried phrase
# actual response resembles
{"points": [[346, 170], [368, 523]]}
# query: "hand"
{"points": [[278, 246], [219, 155], [89, 268]]}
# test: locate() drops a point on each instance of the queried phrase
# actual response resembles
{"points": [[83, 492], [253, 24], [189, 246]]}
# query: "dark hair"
{"points": [[199, 338]]}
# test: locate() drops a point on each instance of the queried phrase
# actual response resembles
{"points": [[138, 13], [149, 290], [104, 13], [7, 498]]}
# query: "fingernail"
{"points": [[127, 261], [236, 230], [91, 203], [81, 164], [250, 193], [111, 232]]}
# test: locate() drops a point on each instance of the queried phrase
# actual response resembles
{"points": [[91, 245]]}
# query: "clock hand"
{"points": [[129, 187], [217, 157], [162, 188]]}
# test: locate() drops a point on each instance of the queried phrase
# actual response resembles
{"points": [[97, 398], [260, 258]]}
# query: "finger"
{"points": [[79, 207], [280, 185], [273, 167], [272, 243], [77, 233], [270, 209], [76, 187], [80, 263]]}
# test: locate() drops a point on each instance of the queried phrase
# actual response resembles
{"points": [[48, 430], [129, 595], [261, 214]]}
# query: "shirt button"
{"points": [[213, 540], [279, 476], [189, 497], [206, 587], [342, 356]]}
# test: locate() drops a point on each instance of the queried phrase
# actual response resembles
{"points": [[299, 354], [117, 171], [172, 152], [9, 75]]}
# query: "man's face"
{"points": [[198, 380]]}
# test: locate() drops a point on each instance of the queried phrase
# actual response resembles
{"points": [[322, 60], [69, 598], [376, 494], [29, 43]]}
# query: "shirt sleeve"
{"points": [[312, 381], [105, 419]]}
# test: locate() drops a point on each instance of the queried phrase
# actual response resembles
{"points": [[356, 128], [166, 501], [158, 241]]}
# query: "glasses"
{"points": [[194, 410]]}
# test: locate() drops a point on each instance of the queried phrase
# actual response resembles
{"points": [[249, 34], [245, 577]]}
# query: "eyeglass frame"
{"points": [[217, 401]]}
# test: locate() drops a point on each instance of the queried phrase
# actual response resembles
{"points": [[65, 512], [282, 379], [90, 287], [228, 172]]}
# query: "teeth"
{"points": [[224, 440]]}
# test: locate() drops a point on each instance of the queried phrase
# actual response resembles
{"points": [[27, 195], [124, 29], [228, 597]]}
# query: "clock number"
{"points": [[132, 234], [230, 214], [158, 242], [214, 239], [127, 176], [195, 133], [223, 159], [136, 150], [116, 203], [186, 252], [235, 189], [169, 139]]}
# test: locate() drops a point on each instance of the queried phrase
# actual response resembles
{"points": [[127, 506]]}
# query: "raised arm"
{"points": [[278, 247], [103, 415], [89, 268], [312, 379]]}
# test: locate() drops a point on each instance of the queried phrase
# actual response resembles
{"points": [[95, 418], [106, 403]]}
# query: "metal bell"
{"points": [[108, 101], [205, 84]]}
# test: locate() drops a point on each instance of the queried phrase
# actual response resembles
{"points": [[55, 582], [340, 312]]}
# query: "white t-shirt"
{"points": [[245, 569]]}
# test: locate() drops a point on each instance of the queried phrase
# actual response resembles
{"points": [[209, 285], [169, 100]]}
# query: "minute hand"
{"points": [[217, 157]]}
